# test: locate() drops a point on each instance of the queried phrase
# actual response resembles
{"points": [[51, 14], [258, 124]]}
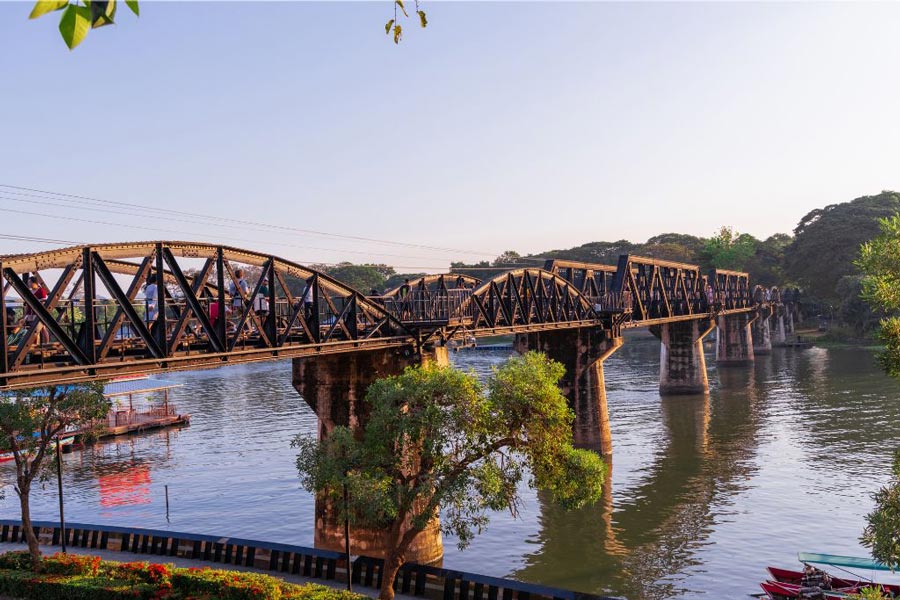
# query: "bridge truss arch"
{"points": [[527, 300], [94, 324]]}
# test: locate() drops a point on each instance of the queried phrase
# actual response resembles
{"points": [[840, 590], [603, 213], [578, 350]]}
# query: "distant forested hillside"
{"points": [[818, 257]]}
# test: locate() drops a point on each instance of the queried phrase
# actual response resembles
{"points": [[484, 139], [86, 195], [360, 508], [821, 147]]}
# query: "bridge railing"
{"points": [[612, 302], [70, 315], [424, 306]]}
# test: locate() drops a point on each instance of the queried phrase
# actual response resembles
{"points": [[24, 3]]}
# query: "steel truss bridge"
{"points": [[93, 323]]}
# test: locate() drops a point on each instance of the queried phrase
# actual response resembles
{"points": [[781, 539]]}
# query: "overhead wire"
{"points": [[188, 233], [168, 211]]}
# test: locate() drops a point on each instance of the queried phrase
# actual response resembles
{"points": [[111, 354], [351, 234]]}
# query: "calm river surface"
{"points": [[704, 493]]}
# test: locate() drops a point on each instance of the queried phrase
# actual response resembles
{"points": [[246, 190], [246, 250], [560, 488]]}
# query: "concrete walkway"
{"points": [[187, 562]]}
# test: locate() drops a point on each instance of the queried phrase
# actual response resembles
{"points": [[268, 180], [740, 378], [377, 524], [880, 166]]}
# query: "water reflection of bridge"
{"points": [[641, 545]]}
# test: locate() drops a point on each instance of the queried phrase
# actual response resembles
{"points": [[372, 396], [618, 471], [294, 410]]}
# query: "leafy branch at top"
{"points": [[79, 17], [394, 26]]}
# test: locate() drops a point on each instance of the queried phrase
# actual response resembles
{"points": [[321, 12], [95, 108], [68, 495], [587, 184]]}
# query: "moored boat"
{"points": [[790, 576], [64, 441]]}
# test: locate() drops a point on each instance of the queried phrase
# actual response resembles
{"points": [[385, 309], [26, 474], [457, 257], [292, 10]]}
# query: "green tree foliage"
{"points": [[31, 420], [360, 277], [827, 241], [485, 270], [508, 259], [465, 447], [729, 250], [883, 523], [879, 262], [79, 17], [766, 265]]}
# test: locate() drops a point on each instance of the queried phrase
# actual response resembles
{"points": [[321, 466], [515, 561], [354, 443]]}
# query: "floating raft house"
{"points": [[132, 409]]}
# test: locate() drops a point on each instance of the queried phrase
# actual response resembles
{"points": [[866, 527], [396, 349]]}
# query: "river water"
{"points": [[704, 492]]}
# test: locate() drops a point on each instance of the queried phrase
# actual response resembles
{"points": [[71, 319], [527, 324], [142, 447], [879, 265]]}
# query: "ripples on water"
{"points": [[704, 492]]}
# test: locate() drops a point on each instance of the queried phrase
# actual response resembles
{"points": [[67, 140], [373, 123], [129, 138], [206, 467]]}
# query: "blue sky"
{"points": [[525, 126]]}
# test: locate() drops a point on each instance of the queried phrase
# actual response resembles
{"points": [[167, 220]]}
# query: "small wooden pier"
{"points": [[140, 413]]}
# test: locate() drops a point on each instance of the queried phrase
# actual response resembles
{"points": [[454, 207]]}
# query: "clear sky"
{"points": [[524, 126]]}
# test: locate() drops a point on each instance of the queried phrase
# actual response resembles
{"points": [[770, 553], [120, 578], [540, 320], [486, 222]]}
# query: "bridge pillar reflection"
{"points": [[334, 386], [734, 339], [762, 333], [582, 352], [682, 366]]}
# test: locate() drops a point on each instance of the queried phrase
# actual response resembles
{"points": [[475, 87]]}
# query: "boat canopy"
{"points": [[137, 386], [843, 561]]}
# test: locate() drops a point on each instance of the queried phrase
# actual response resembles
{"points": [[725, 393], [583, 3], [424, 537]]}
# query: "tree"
{"points": [[827, 241], [360, 277], [879, 262], [883, 523], [729, 249], [507, 259], [437, 439], [30, 421], [766, 265]]}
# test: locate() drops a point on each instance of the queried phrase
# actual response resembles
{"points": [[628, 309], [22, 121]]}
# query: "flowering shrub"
{"points": [[144, 572], [82, 577], [230, 585], [71, 564]]}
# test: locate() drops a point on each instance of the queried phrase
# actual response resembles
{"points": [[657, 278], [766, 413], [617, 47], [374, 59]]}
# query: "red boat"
{"points": [[788, 576], [776, 590]]}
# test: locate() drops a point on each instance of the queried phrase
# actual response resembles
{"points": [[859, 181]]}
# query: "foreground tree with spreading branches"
{"points": [[31, 422], [437, 439], [879, 263]]}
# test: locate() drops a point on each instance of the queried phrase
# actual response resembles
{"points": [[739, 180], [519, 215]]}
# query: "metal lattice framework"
{"points": [[95, 322], [526, 298], [652, 291], [92, 323], [435, 284]]}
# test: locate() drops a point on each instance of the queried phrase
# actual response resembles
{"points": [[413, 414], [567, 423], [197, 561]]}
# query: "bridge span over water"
{"points": [[306, 312], [99, 319]]}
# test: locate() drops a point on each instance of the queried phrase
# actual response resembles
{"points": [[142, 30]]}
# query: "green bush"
{"points": [[18, 560]]}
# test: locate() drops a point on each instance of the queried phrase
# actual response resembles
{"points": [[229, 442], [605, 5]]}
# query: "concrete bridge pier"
{"points": [[762, 334], [780, 333], [682, 366], [734, 339], [582, 352], [334, 386]]}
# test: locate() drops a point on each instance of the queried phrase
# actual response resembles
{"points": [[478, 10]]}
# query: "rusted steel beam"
{"points": [[553, 265], [124, 303], [44, 316], [4, 330], [137, 280]]}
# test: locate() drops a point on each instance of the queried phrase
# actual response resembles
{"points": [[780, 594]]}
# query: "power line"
{"points": [[187, 233], [245, 222], [12, 237]]}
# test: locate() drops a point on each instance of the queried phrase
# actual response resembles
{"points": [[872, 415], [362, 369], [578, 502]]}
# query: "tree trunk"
{"points": [[392, 563], [27, 529]]}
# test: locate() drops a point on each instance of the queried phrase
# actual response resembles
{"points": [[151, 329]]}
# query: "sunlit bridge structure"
{"points": [[92, 313], [308, 313]]}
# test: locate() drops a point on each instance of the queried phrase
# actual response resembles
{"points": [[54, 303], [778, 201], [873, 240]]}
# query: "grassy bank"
{"points": [[81, 577]]}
